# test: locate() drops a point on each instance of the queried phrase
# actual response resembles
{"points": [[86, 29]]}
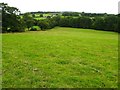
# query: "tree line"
{"points": [[107, 23], [13, 22]]}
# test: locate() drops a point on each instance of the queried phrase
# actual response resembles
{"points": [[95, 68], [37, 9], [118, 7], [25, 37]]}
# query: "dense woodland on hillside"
{"points": [[14, 21]]}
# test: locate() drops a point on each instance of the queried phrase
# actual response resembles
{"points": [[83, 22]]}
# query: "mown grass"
{"points": [[61, 57]]}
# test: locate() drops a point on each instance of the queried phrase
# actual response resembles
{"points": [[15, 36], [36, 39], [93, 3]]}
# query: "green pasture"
{"points": [[60, 58]]}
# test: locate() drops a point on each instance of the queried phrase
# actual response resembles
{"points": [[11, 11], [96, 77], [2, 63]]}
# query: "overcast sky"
{"points": [[92, 6]]}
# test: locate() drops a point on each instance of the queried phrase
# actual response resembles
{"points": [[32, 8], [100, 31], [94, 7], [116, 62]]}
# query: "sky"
{"points": [[89, 6]]}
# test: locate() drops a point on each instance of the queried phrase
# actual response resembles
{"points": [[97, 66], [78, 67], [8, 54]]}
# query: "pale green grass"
{"points": [[39, 18], [60, 58], [47, 14], [37, 15]]}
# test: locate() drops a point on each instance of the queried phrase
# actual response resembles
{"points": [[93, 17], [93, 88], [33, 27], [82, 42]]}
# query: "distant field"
{"points": [[60, 58], [40, 18]]}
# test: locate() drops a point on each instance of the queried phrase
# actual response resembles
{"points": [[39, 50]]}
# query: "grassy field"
{"points": [[40, 18], [60, 58]]}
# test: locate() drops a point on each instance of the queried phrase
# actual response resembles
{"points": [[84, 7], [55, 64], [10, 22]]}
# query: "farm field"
{"points": [[60, 58]]}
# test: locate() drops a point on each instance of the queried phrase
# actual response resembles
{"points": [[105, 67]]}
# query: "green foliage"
{"points": [[85, 22], [11, 19], [44, 24], [70, 14], [48, 17], [29, 21], [60, 58], [81, 22], [64, 22], [33, 15], [110, 22], [99, 23], [35, 28], [52, 23], [107, 23], [57, 20], [41, 15], [118, 25]]}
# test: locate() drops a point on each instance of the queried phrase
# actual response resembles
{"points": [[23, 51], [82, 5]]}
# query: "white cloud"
{"points": [[97, 6]]}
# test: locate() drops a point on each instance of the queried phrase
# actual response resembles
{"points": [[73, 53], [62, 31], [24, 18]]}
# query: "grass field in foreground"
{"points": [[61, 57]]}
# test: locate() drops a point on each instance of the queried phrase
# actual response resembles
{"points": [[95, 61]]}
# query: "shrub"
{"points": [[41, 15], [33, 29]]}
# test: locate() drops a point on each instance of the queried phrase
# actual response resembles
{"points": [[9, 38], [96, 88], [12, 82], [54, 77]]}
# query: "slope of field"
{"points": [[61, 57]]}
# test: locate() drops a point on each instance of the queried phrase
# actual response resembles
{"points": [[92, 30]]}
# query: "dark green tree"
{"points": [[85, 22], [11, 21], [29, 21], [41, 15], [43, 24], [33, 15], [99, 23], [110, 23]]}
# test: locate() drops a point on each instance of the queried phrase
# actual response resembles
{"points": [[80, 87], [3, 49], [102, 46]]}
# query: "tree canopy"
{"points": [[11, 21]]}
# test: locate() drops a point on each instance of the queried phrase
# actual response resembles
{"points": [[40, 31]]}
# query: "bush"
{"points": [[33, 29], [44, 25], [41, 15]]}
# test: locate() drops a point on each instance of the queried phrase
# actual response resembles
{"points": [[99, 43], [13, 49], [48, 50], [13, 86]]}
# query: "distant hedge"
{"points": [[107, 23]]}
